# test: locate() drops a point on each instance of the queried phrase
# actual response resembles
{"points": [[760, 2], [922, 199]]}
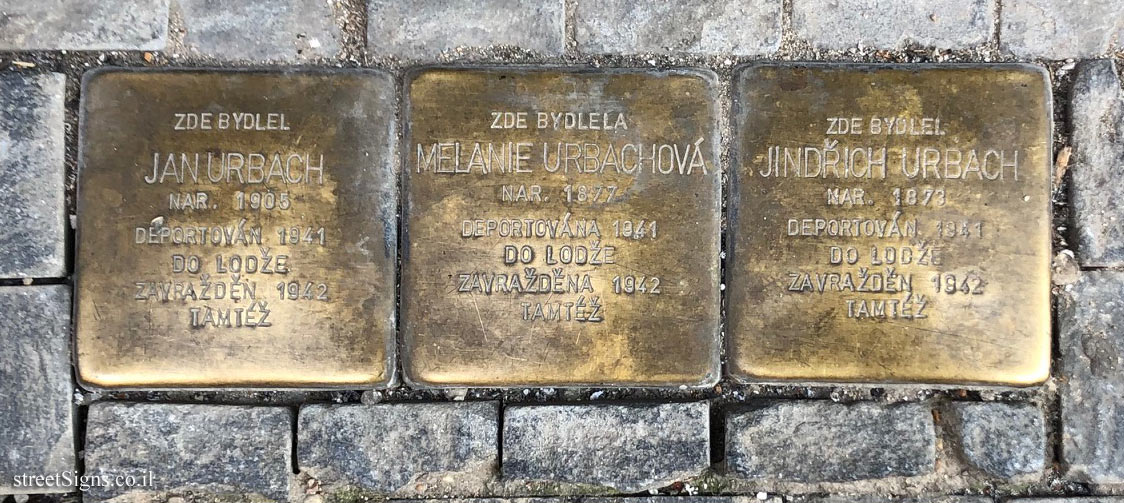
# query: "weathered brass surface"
{"points": [[505, 281], [890, 224], [236, 229]]}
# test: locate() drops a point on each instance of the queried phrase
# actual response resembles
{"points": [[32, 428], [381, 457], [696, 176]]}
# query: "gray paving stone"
{"points": [[1091, 336], [883, 499], [1097, 165], [741, 27], [36, 413], [220, 450], [820, 441], [1060, 29], [83, 26], [894, 24], [400, 449], [680, 499], [629, 448], [423, 29], [611, 499], [274, 30], [32, 176], [1088, 499], [1002, 439]]}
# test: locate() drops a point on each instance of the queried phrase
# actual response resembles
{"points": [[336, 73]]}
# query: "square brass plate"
{"points": [[560, 228], [236, 229], [890, 224]]}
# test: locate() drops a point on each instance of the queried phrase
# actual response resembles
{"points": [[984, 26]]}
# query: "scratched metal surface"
{"points": [[459, 331], [319, 312], [963, 298]]}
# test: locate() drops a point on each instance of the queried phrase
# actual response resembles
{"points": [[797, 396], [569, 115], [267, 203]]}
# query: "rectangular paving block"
{"points": [[32, 175], [894, 24], [1001, 439], [1061, 29], [561, 228], [821, 441], [629, 448], [886, 225], [400, 449], [610, 499], [883, 499], [137, 25], [250, 238], [260, 31], [36, 412], [1097, 135], [425, 29], [741, 27], [172, 450], [1091, 336], [1081, 499]]}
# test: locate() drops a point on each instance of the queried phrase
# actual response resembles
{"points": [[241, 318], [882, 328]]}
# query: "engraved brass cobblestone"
{"points": [[561, 228], [236, 229], [890, 224]]}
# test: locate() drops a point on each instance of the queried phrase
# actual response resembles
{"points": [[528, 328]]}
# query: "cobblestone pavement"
{"points": [[1061, 441]]}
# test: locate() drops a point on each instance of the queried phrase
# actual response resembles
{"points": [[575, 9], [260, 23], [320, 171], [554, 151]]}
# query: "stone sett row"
{"points": [[454, 448], [306, 30], [1090, 311]]}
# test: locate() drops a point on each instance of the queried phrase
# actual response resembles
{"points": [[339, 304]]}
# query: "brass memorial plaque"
{"points": [[560, 228], [236, 229], [890, 224]]}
